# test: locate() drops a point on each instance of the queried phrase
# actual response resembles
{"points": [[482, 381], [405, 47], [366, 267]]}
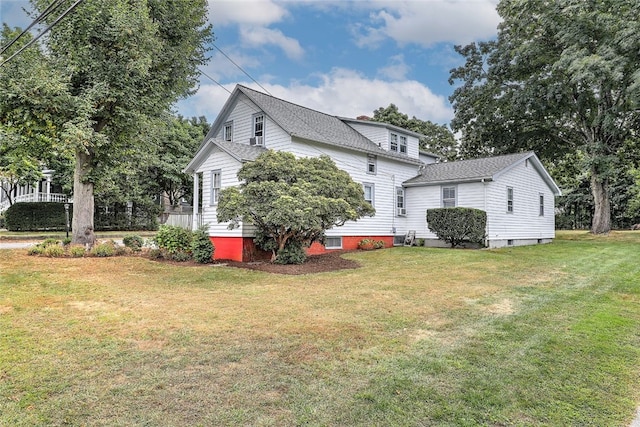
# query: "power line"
{"points": [[214, 80], [65, 13], [49, 10], [241, 69]]}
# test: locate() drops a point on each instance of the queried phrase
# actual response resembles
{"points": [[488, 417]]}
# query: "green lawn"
{"points": [[540, 335]]}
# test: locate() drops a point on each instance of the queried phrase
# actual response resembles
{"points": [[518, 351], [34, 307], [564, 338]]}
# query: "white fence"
{"points": [[184, 220], [33, 197]]}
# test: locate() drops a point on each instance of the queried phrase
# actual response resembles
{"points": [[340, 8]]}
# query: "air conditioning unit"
{"points": [[256, 140], [402, 211]]}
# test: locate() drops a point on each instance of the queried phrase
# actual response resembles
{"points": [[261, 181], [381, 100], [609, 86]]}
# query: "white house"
{"points": [[41, 191], [399, 180]]}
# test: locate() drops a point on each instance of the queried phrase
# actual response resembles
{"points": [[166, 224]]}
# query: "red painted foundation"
{"points": [[243, 249]]}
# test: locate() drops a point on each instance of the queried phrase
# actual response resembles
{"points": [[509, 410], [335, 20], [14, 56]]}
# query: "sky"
{"points": [[345, 58]]}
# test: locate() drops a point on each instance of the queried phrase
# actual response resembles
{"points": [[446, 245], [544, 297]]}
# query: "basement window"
{"points": [[333, 242]]}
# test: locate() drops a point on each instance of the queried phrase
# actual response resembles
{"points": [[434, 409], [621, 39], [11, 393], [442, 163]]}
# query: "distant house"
{"points": [[399, 180], [41, 191]]}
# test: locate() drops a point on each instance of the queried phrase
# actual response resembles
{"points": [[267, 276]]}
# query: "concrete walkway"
{"points": [[8, 244]]}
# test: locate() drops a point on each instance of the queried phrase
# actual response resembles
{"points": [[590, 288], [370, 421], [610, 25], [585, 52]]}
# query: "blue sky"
{"points": [[344, 57]]}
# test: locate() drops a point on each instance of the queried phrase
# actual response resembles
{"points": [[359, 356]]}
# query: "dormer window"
{"points": [[403, 144], [393, 142], [228, 131]]}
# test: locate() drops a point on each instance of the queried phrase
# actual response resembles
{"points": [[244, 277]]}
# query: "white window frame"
{"points": [[403, 144], [401, 202], [446, 202], [510, 208], [372, 164], [328, 244], [257, 126], [372, 186], [228, 131], [541, 204], [393, 141], [216, 186]]}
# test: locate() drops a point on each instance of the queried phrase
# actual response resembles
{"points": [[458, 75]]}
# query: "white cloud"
{"points": [[396, 70], [251, 12], [342, 92], [428, 22], [260, 36]]}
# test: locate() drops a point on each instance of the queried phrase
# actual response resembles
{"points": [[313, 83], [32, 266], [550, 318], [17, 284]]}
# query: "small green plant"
{"points": [[35, 250], [53, 251], [201, 246], [179, 256], [66, 241], [77, 251], [133, 242], [370, 244], [106, 249], [49, 242], [419, 242], [155, 253]]}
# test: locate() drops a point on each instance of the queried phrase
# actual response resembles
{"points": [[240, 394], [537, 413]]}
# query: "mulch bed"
{"points": [[332, 261]]}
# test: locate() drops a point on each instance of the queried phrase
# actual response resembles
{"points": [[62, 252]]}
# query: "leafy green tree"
{"points": [[124, 63], [438, 139], [292, 201], [561, 77], [31, 96]]}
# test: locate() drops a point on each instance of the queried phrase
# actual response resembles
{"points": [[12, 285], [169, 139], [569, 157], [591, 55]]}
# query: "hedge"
{"points": [[37, 216], [458, 225]]}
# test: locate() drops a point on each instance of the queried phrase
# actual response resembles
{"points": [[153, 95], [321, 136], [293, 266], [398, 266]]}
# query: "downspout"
{"points": [[484, 190]]}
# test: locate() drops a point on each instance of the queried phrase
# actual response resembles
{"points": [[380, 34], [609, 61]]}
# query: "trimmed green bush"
{"points": [[133, 242], [54, 251], [292, 253], [172, 239], [458, 225], [202, 247], [77, 251], [107, 249]]}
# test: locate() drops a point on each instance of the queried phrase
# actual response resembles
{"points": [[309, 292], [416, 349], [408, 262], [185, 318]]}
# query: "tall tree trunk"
{"points": [[83, 204], [602, 212]]}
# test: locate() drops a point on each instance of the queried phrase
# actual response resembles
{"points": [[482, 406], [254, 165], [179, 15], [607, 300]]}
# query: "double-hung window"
{"points": [[509, 199], [449, 197], [541, 201], [258, 129], [393, 142], [216, 184], [401, 208], [369, 192], [403, 144], [371, 164], [228, 131]]}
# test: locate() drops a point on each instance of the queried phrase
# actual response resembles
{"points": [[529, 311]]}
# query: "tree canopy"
{"points": [[292, 201], [561, 79], [119, 65], [437, 139]]}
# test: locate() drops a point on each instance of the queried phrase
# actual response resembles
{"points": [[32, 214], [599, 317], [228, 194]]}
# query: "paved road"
{"points": [[9, 244]]}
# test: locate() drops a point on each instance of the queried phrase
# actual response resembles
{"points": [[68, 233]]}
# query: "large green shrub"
{"points": [[37, 216], [458, 225], [202, 246], [174, 241]]}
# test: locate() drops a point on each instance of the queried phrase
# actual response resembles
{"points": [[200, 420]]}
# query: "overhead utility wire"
{"points": [[240, 68], [52, 7], [65, 13]]}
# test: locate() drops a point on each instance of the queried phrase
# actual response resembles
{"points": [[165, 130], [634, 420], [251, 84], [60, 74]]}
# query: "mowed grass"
{"points": [[539, 335]]}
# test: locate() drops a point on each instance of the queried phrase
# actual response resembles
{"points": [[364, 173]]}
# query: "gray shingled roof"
{"points": [[241, 152], [466, 170], [313, 125]]}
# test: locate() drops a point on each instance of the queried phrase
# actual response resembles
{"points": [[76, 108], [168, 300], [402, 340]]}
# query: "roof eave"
{"points": [[447, 181]]}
